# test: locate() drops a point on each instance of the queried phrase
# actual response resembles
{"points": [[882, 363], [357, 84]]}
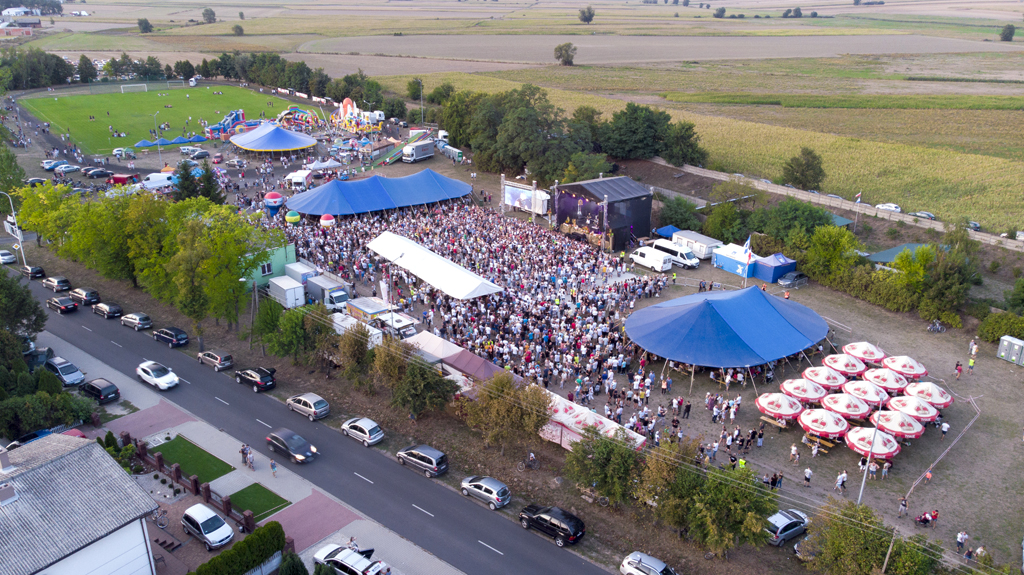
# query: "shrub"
{"points": [[892, 233], [247, 553], [994, 266], [1016, 272], [997, 325]]}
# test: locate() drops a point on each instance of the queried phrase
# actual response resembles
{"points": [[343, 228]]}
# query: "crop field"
{"points": [[873, 101], [133, 113]]}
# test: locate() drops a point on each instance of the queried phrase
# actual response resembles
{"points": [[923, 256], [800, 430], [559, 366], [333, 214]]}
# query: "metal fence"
{"points": [[268, 566]]}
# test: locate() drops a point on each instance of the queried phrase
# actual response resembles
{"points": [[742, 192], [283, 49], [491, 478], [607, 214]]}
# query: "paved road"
{"points": [[457, 530]]}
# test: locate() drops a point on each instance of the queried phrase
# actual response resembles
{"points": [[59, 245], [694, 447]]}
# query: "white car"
{"points": [[889, 208], [235, 163], [156, 375], [363, 430], [202, 523], [66, 169], [45, 164], [7, 257], [637, 563]]}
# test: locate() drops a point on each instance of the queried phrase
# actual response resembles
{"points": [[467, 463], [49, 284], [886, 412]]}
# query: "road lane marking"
{"points": [[423, 510], [489, 547], [221, 400], [187, 381], [115, 343], [85, 328], [267, 424], [371, 483]]}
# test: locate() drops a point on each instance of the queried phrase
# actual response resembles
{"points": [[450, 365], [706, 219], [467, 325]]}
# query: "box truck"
{"points": [[299, 272], [418, 151], [343, 323], [287, 292], [701, 246], [366, 309], [332, 294]]}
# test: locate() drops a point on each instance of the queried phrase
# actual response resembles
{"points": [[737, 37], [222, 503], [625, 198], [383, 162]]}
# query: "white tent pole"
{"points": [[751, 376]]}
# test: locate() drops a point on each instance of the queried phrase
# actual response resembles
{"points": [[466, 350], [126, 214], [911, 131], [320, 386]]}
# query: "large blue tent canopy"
{"points": [[271, 138], [374, 194], [738, 328]]}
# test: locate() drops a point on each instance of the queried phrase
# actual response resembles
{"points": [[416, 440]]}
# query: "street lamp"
{"points": [[157, 134], [17, 231], [871, 451]]}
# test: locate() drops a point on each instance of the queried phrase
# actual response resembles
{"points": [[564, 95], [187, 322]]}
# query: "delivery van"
{"points": [[157, 180], [649, 257], [681, 255]]}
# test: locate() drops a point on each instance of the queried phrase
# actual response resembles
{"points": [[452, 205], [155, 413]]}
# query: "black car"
{"points": [[558, 523], [33, 182], [101, 390], [38, 357], [32, 272], [793, 280], [288, 442], [85, 296], [172, 336], [107, 310], [200, 155], [261, 378], [99, 173], [61, 305]]}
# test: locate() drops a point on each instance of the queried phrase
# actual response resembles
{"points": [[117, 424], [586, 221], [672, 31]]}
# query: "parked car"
{"points": [[309, 404], [57, 283], [235, 163], [189, 150], [85, 296], [28, 438], [261, 378], [348, 561], [801, 550], [157, 375], [66, 169], [172, 336], [923, 215], [292, 444], [33, 182], [363, 430], [974, 226], [38, 357], [218, 359], [32, 272], [101, 390], [202, 523], [487, 489], [47, 164], [61, 305], [107, 310], [200, 155], [7, 257], [218, 158], [785, 525], [54, 164], [793, 280], [67, 372], [558, 523], [637, 563], [99, 173], [137, 321], [430, 461], [889, 208]]}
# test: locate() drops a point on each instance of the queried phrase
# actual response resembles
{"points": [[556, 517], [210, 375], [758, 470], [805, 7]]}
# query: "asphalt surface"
{"points": [[456, 529]]}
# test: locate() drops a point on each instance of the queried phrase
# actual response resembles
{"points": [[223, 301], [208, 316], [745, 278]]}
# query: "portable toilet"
{"points": [[1010, 349]]}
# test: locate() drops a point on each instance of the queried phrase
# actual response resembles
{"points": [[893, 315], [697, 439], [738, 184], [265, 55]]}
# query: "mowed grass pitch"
{"points": [[132, 113]]}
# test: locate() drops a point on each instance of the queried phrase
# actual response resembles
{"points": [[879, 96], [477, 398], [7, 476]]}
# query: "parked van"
{"points": [[188, 150], [681, 255], [124, 179], [157, 180], [702, 246], [651, 258]]}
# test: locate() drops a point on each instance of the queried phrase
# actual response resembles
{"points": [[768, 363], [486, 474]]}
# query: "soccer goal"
{"points": [[175, 83], [134, 88]]}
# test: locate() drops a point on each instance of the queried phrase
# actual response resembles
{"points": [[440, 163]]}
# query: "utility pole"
{"points": [[889, 552]]}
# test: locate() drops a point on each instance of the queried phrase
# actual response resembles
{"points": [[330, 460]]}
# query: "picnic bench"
{"points": [[773, 422], [822, 444]]}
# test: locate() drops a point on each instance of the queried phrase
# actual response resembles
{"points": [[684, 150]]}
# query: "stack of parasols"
{"points": [[862, 384]]}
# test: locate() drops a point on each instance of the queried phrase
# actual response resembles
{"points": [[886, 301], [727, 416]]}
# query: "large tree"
{"points": [[290, 339], [12, 176], [669, 482], [422, 389], [729, 510], [144, 26], [636, 132], [584, 166], [186, 185], [682, 145], [832, 250], [587, 14], [209, 16], [680, 213], [20, 312], [565, 53], [86, 70], [208, 186], [507, 412], [610, 464], [804, 171]]}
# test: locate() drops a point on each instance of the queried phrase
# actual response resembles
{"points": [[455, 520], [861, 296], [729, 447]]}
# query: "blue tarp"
{"points": [[271, 138], [773, 267], [179, 140], [377, 193], [667, 231], [162, 142], [196, 139], [144, 144], [727, 328]]}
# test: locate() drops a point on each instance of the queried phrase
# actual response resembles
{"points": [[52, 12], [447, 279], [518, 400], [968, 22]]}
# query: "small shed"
{"points": [[771, 268], [732, 259]]}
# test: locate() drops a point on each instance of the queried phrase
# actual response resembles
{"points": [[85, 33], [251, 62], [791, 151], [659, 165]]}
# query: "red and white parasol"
{"points": [[897, 423], [859, 439], [864, 351], [845, 364], [887, 379], [915, 407], [823, 423], [804, 390], [906, 366], [824, 376], [867, 392], [931, 393], [779, 405], [849, 406]]}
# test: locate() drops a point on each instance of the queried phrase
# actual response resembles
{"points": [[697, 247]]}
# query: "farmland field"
{"points": [[133, 113]]}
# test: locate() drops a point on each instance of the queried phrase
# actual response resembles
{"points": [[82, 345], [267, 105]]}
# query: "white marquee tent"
{"points": [[445, 275]]}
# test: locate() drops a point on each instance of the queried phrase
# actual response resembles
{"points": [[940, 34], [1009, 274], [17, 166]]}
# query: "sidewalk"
{"points": [[335, 520]]}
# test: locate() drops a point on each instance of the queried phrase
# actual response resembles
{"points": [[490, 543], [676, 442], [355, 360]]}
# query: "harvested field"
{"points": [[338, 65]]}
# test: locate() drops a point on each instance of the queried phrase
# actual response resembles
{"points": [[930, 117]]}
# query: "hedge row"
{"points": [[997, 325], [247, 553]]}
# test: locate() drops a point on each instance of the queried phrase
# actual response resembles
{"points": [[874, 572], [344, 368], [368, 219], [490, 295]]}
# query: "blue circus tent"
{"points": [[179, 140], [374, 194], [739, 328], [272, 138]]}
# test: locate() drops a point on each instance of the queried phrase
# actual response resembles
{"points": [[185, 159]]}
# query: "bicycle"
{"points": [[526, 463], [937, 327], [159, 516]]}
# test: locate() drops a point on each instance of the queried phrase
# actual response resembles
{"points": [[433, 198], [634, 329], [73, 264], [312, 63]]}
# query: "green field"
{"points": [[192, 459], [132, 113], [261, 501]]}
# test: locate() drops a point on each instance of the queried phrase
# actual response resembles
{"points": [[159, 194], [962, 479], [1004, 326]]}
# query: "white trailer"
{"points": [[287, 292], [702, 246], [299, 272], [343, 323]]}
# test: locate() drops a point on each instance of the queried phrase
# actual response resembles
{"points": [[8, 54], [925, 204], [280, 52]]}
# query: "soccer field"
{"points": [[132, 113]]}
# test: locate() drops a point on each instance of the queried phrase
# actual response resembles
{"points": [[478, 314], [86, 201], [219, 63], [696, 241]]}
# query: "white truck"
{"points": [[343, 323], [417, 151], [287, 292], [323, 289], [299, 272], [702, 246]]}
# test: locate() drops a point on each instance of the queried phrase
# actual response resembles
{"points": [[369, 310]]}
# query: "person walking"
{"points": [[944, 429], [793, 452], [872, 469], [839, 483], [245, 453], [959, 369], [251, 460], [885, 469], [807, 477], [779, 484], [814, 450], [970, 366], [686, 410], [927, 476], [273, 467], [903, 508], [961, 539]]}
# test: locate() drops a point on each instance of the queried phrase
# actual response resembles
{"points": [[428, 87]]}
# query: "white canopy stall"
{"points": [[443, 274]]}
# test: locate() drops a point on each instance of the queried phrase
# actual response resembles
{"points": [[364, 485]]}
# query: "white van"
{"points": [[188, 150], [681, 255], [157, 180], [651, 258]]}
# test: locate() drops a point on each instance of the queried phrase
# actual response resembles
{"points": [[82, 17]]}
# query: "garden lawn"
{"points": [[132, 113], [261, 501], [192, 459]]}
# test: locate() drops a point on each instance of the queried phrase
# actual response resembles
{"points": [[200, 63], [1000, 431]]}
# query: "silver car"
{"points": [[487, 489], [785, 525], [217, 359], [66, 372], [363, 430], [309, 404], [137, 321], [202, 523], [637, 563]]}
